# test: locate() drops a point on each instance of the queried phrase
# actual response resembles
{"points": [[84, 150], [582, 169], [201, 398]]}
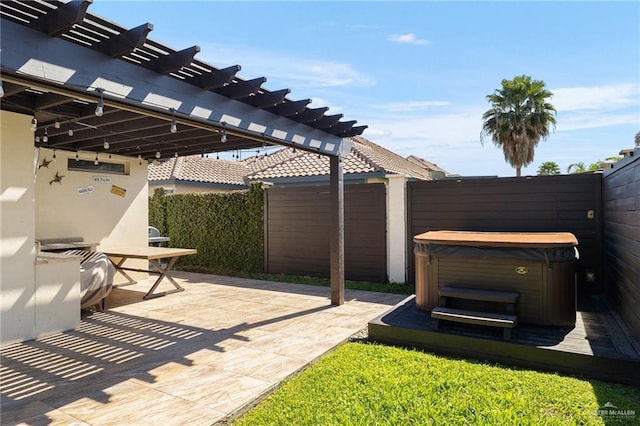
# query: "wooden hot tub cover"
{"points": [[548, 246]]}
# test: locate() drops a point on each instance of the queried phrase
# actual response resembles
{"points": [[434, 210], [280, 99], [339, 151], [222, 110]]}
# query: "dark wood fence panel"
{"points": [[297, 231], [566, 203], [621, 199]]}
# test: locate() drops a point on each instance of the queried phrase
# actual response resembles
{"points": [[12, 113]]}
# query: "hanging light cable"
{"points": [[100, 106], [174, 125]]}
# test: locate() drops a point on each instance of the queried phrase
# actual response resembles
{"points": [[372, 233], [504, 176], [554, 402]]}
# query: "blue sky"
{"points": [[417, 73]]}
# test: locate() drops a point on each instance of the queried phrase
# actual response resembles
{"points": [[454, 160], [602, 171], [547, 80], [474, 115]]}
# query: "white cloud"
{"points": [[595, 97], [593, 120], [286, 70], [596, 106], [409, 38], [409, 106]]}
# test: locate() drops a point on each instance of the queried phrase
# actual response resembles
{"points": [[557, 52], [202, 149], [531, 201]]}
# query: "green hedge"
{"points": [[227, 229]]}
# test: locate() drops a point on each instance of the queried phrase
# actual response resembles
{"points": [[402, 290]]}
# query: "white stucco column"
{"points": [[17, 230], [396, 228]]}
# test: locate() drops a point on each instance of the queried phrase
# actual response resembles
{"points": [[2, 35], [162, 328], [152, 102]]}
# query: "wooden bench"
{"points": [[506, 321]]}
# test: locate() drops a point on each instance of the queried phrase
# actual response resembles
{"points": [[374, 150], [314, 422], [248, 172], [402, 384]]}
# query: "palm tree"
{"points": [[548, 168], [519, 117]]}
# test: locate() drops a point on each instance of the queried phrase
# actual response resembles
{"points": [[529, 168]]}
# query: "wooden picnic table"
{"points": [[118, 256]]}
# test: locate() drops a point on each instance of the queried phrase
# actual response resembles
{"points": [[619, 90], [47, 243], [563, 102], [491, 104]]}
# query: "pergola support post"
{"points": [[336, 240]]}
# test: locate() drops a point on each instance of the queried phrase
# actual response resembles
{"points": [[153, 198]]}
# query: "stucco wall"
{"points": [[85, 204], [34, 206], [17, 231]]}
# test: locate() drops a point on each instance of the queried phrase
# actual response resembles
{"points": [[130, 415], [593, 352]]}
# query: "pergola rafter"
{"points": [[59, 61]]}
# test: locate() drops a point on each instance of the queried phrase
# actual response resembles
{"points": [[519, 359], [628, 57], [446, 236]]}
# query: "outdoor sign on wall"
{"points": [[118, 191], [102, 179], [84, 190]]}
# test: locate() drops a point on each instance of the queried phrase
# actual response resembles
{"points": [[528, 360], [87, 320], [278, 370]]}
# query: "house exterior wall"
{"points": [[36, 207], [95, 210], [17, 231]]}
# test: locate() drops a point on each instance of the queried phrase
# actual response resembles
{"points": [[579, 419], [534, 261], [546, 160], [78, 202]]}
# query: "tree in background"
{"points": [[518, 118], [638, 140], [576, 168], [593, 167], [549, 168]]}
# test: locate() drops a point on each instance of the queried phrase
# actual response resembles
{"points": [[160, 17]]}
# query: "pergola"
{"points": [[92, 85]]}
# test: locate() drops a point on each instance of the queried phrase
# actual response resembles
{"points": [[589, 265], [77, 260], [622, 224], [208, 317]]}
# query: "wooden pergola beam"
{"points": [[125, 42], [336, 240]]}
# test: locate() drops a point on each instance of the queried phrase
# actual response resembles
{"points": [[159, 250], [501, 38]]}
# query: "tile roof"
{"points": [[432, 167], [365, 157], [195, 169]]}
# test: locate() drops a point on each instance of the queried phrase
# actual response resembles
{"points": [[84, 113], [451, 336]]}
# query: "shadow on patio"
{"points": [[194, 357]]}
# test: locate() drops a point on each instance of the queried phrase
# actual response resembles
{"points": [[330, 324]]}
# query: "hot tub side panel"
{"points": [[547, 296]]}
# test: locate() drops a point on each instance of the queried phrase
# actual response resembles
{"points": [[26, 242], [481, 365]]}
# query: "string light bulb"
{"points": [[54, 155], [70, 132], [223, 137], [158, 155], [56, 124], [45, 138], [37, 138], [176, 154], [1, 90], [174, 125], [34, 124], [100, 107], [95, 162], [77, 157], [105, 145]]}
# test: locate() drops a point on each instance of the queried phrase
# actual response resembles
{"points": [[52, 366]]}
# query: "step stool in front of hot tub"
{"points": [[506, 321]]}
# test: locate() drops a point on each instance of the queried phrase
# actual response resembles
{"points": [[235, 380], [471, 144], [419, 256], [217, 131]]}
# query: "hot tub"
{"points": [[537, 265]]}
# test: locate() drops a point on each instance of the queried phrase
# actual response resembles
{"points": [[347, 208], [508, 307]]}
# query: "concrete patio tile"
{"points": [[193, 357], [36, 414]]}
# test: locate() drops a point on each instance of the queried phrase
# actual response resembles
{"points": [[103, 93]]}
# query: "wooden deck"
{"points": [[599, 346]]}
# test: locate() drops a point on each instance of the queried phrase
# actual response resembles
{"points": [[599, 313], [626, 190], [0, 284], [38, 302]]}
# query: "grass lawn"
{"points": [[368, 384], [397, 288]]}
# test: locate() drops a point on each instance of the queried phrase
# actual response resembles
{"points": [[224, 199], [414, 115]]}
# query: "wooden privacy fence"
{"points": [[565, 203], [622, 238], [297, 224]]}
